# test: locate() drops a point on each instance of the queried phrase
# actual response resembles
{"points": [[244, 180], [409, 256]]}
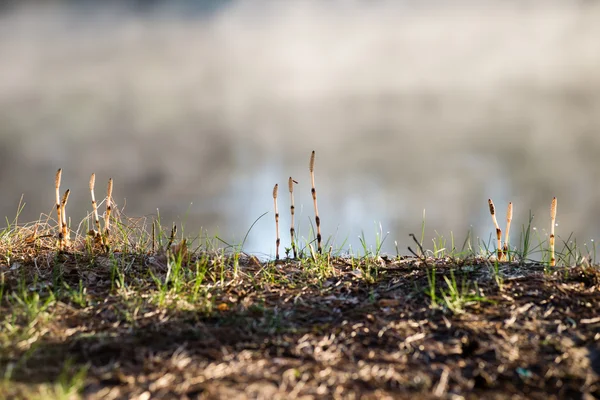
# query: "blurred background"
{"points": [[197, 108]]}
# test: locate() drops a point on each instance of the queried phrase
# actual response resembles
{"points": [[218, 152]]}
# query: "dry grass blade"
{"points": [[552, 237], [311, 167], [278, 241], [292, 210], [498, 230]]}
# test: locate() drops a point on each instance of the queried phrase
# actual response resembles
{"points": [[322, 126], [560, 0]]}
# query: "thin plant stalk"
{"points": [[292, 209], [109, 190], [153, 237], [498, 230], [509, 215], [278, 241], [95, 206], [58, 206], [552, 237], [313, 191], [65, 234]]}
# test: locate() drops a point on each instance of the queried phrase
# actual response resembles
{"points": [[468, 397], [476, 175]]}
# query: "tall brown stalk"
{"points": [[278, 241], [552, 237], [292, 209], [509, 215], [61, 216], [109, 190], [313, 191], [97, 231], [57, 179]]}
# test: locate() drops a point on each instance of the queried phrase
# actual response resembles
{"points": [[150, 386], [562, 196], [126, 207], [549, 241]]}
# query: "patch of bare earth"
{"points": [[274, 331]]}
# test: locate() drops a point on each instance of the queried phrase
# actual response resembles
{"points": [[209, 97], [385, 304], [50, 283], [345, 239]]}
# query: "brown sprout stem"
{"points": [[552, 237], [278, 241], [65, 234], [509, 215], [498, 230], [94, 204], [311, 167], [109, 190], [58, 206], [292, 210]]}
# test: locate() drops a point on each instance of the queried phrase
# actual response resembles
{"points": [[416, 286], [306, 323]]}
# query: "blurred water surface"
{"points": [[199, 110]]}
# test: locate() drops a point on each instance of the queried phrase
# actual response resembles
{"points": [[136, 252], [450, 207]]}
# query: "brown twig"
{"points": [[422, 256]]}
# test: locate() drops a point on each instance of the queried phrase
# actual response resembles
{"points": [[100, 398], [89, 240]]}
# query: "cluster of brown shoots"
{"points": [[100, 238], [503, 250], [291, 182], [64, 235]]}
